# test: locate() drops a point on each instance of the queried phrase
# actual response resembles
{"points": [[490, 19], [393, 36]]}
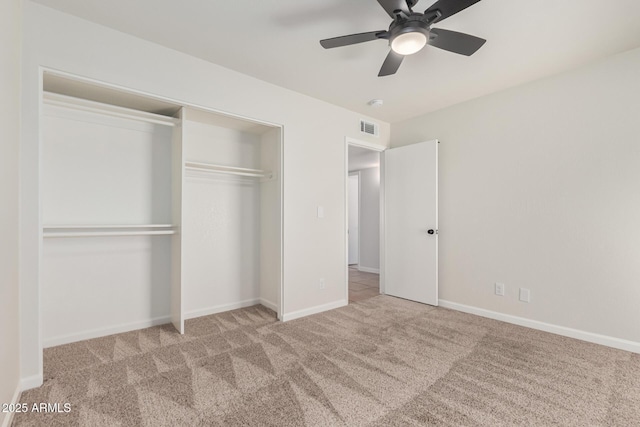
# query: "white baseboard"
{"points": [[8, 416], [369, 269], [220, 308], [33, 381], [103, 332], [313, 310], [270, 305], [97, 333], [605, 340]]}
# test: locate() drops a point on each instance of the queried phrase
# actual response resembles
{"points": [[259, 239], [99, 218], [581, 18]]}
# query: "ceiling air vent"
{"points": [[369, 128]]}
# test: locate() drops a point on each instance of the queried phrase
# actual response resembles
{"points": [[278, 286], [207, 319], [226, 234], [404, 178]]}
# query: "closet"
{"points": [[230, 213], [152, 212]]}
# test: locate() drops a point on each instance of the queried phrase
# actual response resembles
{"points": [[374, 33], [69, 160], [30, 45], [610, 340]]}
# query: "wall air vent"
{"points": [[369, 128]]}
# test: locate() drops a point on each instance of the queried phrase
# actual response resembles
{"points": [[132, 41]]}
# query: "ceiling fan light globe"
{"points": [[409, 43]]}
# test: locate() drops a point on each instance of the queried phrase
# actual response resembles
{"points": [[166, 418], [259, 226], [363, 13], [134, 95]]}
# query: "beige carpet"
{"points": [[380, 362]]}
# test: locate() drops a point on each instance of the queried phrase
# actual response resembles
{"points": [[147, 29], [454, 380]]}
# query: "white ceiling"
{"points": [[277, 41]]}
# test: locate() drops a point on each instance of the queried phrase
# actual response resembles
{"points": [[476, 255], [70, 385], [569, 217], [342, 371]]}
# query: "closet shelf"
{"points": [[57, 100], [227, 170], [50, 231]]}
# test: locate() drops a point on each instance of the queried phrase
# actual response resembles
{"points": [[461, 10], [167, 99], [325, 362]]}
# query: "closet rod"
{"points": [[231, 170], [85, 226], [57, 100], [109, 233]]}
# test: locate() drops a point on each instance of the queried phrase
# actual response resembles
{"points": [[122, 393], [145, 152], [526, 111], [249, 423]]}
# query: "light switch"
{"points": [[320, 212]]}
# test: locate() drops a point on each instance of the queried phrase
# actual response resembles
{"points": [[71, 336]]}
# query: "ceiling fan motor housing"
{"points": [[413, 24]]}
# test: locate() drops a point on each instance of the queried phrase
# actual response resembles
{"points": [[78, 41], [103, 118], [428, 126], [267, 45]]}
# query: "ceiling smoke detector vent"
{"points": [[370, 128]]}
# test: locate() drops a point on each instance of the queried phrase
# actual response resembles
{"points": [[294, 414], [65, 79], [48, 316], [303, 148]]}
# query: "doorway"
{"points": [[407, 241], [363, 221]]}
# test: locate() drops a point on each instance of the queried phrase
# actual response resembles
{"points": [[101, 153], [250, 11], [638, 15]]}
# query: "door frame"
{"points": [[380, 149]]}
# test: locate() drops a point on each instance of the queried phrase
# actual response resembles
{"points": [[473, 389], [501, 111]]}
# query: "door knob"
{"points": [[432, 231]]}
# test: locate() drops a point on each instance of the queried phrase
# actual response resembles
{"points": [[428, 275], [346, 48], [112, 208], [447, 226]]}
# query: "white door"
{"points": [[354, 217], [411, 222]]}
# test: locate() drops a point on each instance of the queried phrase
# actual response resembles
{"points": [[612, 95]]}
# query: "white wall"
{"points": [[370, 219], [10, 23], [540, 188], [314, 133], [353, 218]]}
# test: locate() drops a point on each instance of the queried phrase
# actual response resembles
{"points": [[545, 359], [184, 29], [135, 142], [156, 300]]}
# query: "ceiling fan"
{"points": [[410, 31]]}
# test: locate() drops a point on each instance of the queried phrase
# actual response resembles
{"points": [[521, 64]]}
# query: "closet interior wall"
{"points": [[152, 212]]}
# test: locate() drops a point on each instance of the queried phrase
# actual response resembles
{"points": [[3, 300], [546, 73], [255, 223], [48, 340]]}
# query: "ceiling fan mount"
{"points": [[410, 31]]}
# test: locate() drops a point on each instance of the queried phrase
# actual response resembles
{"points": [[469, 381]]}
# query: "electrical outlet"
{"points": [[525, 295], [322, 284], [500, 289]]}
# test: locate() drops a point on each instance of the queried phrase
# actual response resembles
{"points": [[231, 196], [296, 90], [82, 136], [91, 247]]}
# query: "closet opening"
{"points": [[152, 211], [363, 214]]}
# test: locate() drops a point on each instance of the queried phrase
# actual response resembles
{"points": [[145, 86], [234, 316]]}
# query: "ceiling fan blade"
{"points": [[461, 43], [390, 6], [391, 64], [448, 8], [353, 39]]}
